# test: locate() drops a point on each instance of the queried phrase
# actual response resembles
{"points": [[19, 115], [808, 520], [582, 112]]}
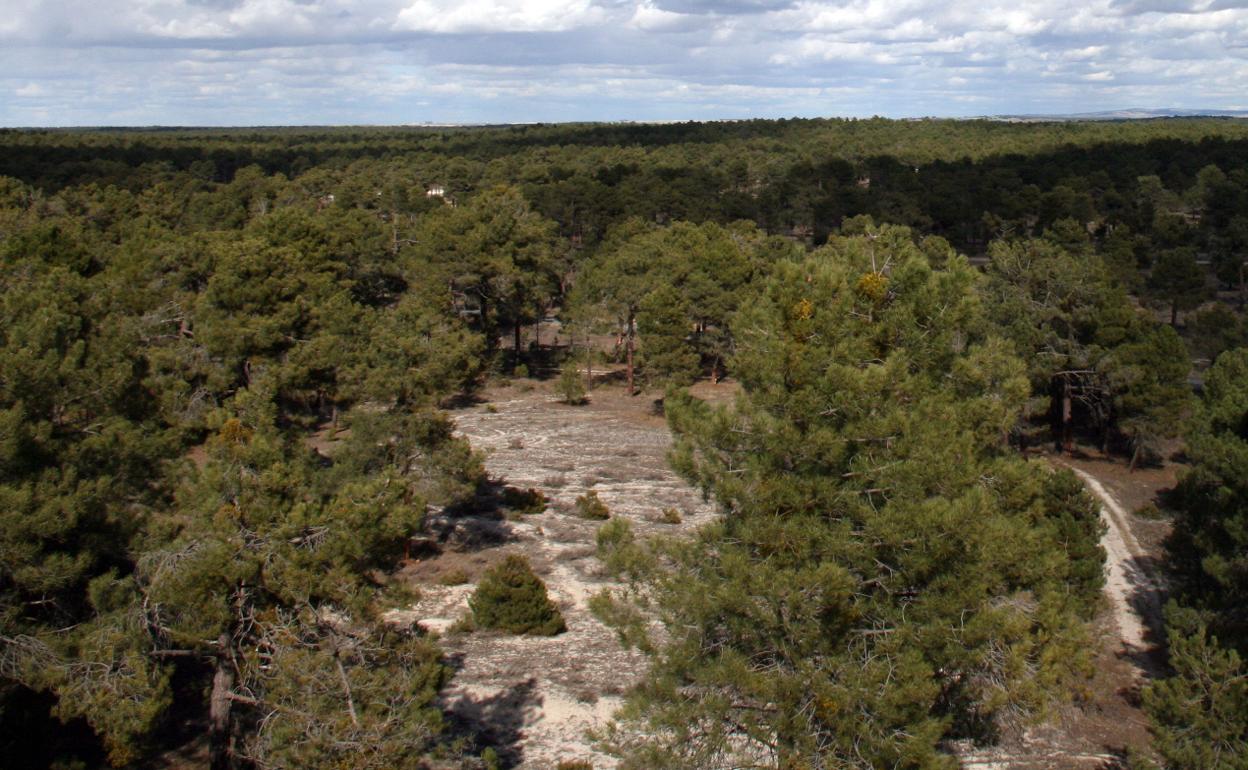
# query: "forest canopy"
{"points": [[186, 315]]}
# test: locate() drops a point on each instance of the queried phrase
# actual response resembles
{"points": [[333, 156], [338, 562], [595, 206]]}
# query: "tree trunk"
{"points": [[628, 350], [1067, 437], [220, 751], [537, 327], [1243, 285], [516, 342], [1055, 413], [1061, 414], [1174, 312]]}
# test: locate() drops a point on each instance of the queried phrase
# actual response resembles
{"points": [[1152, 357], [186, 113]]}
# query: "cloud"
{"points": [[651, 18], [394, 61], [490, 16]]}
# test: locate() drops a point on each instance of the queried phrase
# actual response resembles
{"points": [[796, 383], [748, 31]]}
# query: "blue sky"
{"points": [[249, 62]]}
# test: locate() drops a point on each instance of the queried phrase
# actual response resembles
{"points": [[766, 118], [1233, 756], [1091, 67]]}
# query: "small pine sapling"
{"points": [[510, 597], [570, 387]]}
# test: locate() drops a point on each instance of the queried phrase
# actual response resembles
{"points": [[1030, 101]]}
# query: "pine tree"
{"points": [[667, 357], [264, 571], [885, 574], [1099, 360], [1177, 281], [511, 598], [1200, 713], [80, 452]]}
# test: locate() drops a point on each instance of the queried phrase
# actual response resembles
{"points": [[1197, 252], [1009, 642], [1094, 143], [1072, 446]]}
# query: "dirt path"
{"points": [[533, 697], [1134, 592]]}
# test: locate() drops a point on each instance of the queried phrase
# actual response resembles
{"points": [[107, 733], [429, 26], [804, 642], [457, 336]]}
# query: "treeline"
{"points": [[222, 357], [1148, 194], [967, 181]]}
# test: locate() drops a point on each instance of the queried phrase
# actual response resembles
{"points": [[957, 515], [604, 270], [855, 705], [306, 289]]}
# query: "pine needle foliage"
{"points": [[1200, 713], [887, 573], [571, 385], [512, 598]]}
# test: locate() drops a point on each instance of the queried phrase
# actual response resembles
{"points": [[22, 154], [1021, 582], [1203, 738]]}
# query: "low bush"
{"points": [[510, 597], [570, 387], [613, 534], [620, 553], [455, 577], [524, 501], [590, 506]]}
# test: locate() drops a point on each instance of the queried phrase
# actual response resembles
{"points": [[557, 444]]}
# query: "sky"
{"points": [[302, 62]]}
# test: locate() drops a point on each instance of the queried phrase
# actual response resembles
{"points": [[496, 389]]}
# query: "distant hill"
{"points": [[1128, 114]]}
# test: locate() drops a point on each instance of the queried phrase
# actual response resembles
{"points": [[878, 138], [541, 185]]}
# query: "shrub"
{"points": [[557, 480], [525, 501], [613, 534], [575, 764], [510, 597], [670, 516], [570, 387], [490, 759], [521, 370], [455, 577], [620, 553], [1150, 511], [590, 506]]}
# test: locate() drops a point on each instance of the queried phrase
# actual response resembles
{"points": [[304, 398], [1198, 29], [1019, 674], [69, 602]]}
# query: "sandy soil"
{"points": [[534, 698]]}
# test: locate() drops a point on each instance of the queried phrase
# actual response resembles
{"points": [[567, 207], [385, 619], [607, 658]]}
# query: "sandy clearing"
{"points": [[535, 698]]}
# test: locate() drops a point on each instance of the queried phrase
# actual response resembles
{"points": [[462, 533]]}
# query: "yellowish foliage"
{"points": [[873, 286]]}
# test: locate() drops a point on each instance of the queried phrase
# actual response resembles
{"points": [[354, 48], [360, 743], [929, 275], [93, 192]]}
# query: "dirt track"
{"points": [[1134, 592]]}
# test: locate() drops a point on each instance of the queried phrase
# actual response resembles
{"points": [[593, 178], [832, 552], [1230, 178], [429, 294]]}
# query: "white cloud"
{"points": [[272, 61], [486, 16], [650, 18]]}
